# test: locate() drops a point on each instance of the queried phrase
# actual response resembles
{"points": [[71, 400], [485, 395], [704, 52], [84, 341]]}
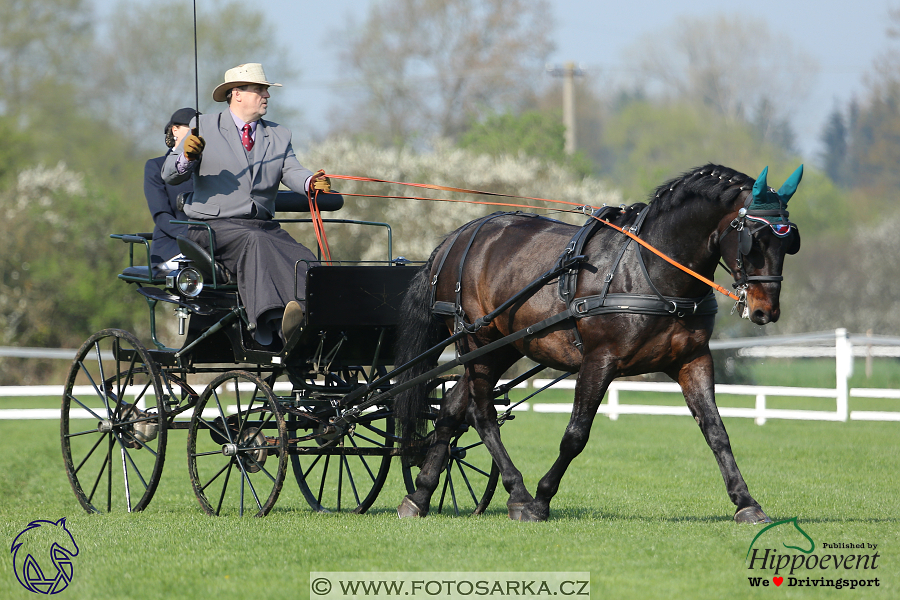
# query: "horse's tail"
{"points": [[417, 332]]}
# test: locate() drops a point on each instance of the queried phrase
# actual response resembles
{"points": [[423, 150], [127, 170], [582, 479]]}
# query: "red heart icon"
{"points": [[778, 580]]}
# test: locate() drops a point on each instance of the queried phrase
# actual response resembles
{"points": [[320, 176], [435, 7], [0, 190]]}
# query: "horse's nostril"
{"points": [[760, 317]]}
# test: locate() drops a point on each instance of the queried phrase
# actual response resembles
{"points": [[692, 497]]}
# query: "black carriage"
{"points": [[258, 412], [327, 402]]}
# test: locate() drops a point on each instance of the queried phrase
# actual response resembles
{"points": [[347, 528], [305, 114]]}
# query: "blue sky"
{"points": [[843, 41]]}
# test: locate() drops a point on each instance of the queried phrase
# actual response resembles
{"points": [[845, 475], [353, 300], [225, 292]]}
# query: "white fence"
{"points": [[840, 344], [843, 347]]}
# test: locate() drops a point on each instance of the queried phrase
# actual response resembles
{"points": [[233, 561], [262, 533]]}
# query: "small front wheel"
{"points": [[237, 446]]}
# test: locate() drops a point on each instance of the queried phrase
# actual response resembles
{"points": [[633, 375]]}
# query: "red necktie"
{"points": [[246, 140]]}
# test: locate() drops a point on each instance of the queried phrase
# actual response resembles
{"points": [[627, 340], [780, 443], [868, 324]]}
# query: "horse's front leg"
{"points": [[698, 385], [593, 380]]}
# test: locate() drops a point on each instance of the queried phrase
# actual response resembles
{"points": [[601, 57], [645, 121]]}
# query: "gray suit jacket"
{"points": [[228, 183]]}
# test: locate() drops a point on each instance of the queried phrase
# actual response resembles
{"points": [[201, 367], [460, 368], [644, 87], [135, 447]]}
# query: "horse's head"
{"points": [[763, 235]]}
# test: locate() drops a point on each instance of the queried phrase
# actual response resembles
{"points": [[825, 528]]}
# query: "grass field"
{"points": [[643, 509]]}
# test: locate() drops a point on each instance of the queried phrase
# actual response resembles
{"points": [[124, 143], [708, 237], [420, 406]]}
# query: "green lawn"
{"points": [[643, 509]]}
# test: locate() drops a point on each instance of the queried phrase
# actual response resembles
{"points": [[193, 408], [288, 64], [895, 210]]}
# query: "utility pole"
{"points": [[568, 72]]}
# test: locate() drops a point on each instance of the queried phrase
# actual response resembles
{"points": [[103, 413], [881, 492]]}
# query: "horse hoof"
{"points": [[408, 508], [515, 510], [521, 512], [752, 515]]}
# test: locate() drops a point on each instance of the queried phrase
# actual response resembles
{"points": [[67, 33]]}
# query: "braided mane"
{"points": [[713, 182]]}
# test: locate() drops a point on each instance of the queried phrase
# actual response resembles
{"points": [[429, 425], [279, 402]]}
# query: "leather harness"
{"points": [[567, 268]]}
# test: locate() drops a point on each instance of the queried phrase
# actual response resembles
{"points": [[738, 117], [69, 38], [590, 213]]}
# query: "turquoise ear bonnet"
{"points": [[766, 198]]}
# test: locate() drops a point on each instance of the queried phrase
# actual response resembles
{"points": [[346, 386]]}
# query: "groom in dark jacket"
{"points": [[162, 198]]}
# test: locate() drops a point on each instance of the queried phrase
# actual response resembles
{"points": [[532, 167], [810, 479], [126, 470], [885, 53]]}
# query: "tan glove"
{"points": [[193, 145], [318, 182]]}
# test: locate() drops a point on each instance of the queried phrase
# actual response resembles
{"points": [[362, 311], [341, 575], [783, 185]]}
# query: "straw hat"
{"points": [[241, 75]]}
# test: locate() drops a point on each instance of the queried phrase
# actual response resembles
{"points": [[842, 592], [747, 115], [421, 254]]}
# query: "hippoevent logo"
{"points": [[775, 562], [42, 556]]}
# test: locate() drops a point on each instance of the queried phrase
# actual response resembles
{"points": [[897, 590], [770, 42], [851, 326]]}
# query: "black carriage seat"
{"points": [[141, 273], [203, 262]]}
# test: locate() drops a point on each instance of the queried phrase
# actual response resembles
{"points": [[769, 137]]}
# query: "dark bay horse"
{"points": [[622, 310]]}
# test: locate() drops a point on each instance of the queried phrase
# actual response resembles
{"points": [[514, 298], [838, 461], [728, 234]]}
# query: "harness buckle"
{"points": [[580, 307]]}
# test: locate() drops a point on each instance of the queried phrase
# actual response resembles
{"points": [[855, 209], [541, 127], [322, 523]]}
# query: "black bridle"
{"points": [[747, 224]]}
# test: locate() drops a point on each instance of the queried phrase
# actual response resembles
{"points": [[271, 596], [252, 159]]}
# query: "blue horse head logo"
{"points": [[42, 556]]}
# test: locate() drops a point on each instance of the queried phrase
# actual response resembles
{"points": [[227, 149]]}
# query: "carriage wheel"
{"points": [[469, 480], [343, 467], [237, 446], [112, 424]]}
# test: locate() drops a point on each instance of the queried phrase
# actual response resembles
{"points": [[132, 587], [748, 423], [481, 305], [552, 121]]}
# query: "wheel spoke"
{"points": [[452, 488], [466, 480], [91, 451], [246, 477], [322, 482], [363, 460], [350, 478], [90, 410], [473, 467], [216, 476], [100, 474], [133, 466], [224, 485]]}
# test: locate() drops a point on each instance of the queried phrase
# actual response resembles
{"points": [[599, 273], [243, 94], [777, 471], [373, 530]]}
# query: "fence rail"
{"points": [[841, 345]]}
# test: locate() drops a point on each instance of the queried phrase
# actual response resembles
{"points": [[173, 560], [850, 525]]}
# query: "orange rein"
{"points": [[319, 226], [646, 245]]}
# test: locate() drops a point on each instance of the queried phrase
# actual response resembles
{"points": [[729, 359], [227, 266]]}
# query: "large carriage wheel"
{"points": [[237, 446], [470, 478], [113, 424], [341, 467]]}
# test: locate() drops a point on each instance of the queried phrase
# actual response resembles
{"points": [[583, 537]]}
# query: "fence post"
{"points": [[612, 399], [760, 409], [843, 358]]}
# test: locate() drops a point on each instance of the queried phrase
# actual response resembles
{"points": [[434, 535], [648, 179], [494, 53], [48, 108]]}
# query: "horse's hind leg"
{"points": [[450, 416], [482, 415], [697, 383]]}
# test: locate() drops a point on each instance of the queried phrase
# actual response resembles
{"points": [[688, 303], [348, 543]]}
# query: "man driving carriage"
{"points": [[237, 161]]}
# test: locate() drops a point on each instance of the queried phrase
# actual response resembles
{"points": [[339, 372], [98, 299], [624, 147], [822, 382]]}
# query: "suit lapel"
{"points": [[230, 132]]}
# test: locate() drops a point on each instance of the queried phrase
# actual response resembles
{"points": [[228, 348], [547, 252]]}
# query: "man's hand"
{"points": [[193, 145], [319, 183]]}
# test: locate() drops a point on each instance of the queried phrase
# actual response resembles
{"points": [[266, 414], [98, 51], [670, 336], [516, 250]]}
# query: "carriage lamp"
{"points": [[187, 280]]}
